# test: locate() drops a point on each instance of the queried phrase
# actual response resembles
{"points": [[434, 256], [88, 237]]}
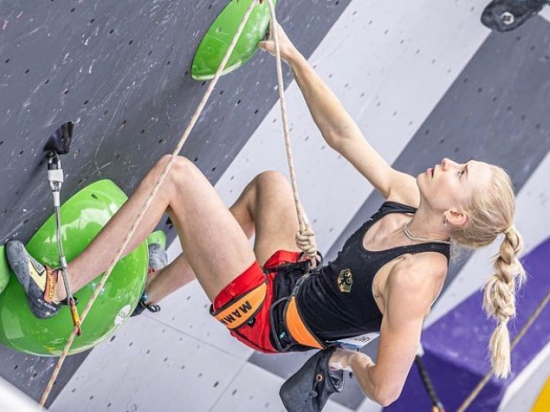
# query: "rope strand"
{"points": [[149, 200], [302, 218]]}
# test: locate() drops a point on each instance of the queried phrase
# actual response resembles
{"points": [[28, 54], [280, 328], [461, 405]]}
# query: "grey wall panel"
{"points": [[31, 373]]}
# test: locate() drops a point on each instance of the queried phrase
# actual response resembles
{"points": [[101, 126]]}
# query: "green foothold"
{"points": [[157, 237], [83, 216], [216, 41], [4, 270]]}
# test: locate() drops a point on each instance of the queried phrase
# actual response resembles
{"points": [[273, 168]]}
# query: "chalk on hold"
{"points": [[215, 43], [84, 215]]}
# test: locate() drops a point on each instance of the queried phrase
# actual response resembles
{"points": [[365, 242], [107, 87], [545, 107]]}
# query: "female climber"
{"points": [[384, 280]]}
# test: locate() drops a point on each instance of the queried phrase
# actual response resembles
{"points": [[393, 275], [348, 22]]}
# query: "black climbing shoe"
{"points": [[308, 389], [158, 258], [141, 306], [507, 15], [38, 281]]}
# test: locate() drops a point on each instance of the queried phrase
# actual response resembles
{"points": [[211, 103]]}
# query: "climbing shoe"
{"points": [[141, 306], [507, 15], [38, 281], [158, 258], [308, 389]]}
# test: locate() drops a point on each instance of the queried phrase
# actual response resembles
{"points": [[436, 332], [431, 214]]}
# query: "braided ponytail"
{"points": [[490, 214], [499, 299]]}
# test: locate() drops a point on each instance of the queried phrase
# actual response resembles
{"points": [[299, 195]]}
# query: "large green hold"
{"points": [[216, 41], [83, 216]]}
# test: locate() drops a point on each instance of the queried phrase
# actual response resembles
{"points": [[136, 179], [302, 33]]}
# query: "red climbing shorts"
{"points": [[243, 305]]}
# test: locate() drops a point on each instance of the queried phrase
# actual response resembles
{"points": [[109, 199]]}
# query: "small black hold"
{"points": [[60, 141]]}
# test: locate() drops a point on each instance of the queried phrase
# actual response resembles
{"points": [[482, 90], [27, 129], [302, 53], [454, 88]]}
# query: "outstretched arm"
{"points": [[339, 130]]}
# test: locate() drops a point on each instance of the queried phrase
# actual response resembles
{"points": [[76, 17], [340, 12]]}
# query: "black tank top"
{"points": [[338, 302]]}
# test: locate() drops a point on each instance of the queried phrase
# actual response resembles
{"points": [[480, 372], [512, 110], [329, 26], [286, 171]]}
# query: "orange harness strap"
{"points": [[239, 311], [297, 328]]}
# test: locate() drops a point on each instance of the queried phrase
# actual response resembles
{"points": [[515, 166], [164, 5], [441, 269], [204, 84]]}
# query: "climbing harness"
{"points": [[297, 334], [242, 309]]}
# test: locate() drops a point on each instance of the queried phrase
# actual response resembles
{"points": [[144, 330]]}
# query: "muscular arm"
{"points": [[408, 299], [341, 132]]}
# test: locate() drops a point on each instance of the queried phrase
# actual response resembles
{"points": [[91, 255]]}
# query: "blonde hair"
{"points": [[491, 213]]}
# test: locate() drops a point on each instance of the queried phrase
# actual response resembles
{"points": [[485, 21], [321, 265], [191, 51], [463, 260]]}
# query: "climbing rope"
{"points": [[437, 406], [305, 229], [148, 202], [538, 310]]}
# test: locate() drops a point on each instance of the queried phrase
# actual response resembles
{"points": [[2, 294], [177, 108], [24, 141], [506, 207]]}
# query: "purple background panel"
{"points": [[456, 354]]}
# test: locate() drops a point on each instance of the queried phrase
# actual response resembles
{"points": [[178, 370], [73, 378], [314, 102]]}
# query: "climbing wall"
{"points": [[424, 80], [120, 72]]}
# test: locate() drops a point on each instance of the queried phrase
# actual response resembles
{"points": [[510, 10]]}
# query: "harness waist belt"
{"points": [[298, 329], [240, 310]]}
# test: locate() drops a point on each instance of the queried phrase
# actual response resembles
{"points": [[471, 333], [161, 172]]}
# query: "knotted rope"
{"points": [[305, 229]]}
